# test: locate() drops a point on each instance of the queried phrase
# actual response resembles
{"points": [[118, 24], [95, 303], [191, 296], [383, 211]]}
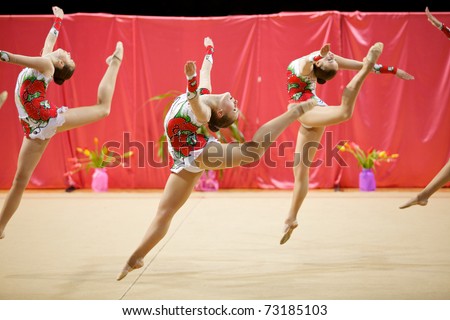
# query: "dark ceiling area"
{"points": [[202, 8]]}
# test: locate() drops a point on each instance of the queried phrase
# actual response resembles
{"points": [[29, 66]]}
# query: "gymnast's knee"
{"points": [[253, 151], [300, 171], [164, 215], [21, 180]]}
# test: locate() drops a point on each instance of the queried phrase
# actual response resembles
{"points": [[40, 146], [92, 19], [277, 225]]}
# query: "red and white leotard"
{"points": [[38, 116], [301, 88], [184, 143]]}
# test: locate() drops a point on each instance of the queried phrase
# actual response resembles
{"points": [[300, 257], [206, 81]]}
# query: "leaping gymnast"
{"points": [[303, 75], [40, 118]]}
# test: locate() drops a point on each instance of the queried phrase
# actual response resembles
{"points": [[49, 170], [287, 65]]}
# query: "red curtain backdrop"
{"points": [[411, 118]]}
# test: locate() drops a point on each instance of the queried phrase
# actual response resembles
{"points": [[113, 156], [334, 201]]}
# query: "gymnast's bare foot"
{"points": [[373, 55], [2, 235], [117, 55], [3, 97], [414, 201], [127, 269], [289, 227]]}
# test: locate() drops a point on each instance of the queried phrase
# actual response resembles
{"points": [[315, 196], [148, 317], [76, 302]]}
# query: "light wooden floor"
{"points": [[349, 245]]}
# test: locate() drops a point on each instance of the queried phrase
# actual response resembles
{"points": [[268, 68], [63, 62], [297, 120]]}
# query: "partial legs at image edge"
{"points": [[439, 180], [3, 97]]}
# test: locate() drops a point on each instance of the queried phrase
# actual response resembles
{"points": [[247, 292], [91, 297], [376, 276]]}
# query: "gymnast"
{"points": [[303, 75], [443, 175], [41, 119]]}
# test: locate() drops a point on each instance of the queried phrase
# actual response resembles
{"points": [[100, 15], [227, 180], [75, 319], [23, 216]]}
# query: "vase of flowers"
{"points": [[367, 180], [99, 180], [367, 159], [98, 159]]}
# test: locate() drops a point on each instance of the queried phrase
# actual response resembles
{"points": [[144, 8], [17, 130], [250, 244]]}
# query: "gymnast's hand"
{"points": [[58, 12], [435, 22], [208, 42], [189, 69]]}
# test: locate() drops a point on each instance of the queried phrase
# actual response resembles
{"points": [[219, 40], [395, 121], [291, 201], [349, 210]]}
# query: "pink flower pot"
{"points": [[367, 180], [207, 182], [99, 180]]}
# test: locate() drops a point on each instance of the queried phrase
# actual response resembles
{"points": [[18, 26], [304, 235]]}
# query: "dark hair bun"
{"points": [[321, 81], [213, 128], [59, 81]]}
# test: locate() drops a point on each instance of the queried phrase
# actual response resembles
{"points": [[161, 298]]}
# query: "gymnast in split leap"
{"points": [[39, 117], [303, 74]]}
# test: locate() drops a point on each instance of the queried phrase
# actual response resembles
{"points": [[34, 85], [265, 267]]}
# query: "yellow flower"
{"points": [[382, 154], [87, 153]]}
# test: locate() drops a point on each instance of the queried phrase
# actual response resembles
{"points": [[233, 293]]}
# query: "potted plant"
{"points": [[367, 159], [97, 159]]}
